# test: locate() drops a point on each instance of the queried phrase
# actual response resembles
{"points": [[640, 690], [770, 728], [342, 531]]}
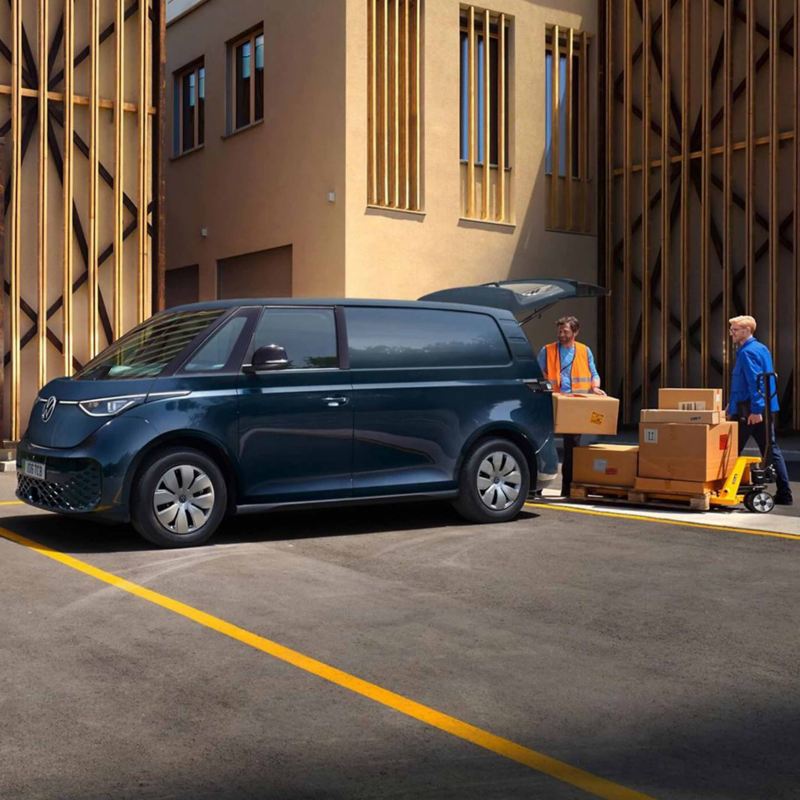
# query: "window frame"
{"points": [[250, 349], [238, 351], [438, 367], [248, 37], [579, 113], [192, 68]]}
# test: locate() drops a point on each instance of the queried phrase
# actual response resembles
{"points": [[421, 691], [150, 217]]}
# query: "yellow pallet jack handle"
{"points": [[729, 495]]}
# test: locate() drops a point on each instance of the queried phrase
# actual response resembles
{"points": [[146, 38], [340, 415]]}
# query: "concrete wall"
{"points": [[266, 186], [391, 254]]}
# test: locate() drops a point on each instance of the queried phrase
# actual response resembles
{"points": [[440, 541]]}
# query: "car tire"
{"points": [[494, 482], [179, 498]]}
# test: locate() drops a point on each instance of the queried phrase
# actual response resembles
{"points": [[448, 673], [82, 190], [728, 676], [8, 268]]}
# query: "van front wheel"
{"points": [[179, 499], [494, 482]]}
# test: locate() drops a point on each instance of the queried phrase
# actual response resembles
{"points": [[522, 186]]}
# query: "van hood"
{"points": [[67, 425], [524, 298]]}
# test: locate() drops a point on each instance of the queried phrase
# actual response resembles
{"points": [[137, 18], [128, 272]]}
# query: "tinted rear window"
{"points": [[146, 350], [417, 337]]}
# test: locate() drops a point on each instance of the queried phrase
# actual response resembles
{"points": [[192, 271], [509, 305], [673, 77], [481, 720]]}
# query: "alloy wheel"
{"points": [[183, 499], [499, 480]]}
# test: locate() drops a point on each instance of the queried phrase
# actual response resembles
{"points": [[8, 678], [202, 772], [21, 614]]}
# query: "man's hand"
{"points": [[755, 419], [598, 390]]}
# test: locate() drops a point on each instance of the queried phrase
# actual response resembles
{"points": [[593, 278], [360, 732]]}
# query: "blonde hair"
{"points": [[745, 321]]}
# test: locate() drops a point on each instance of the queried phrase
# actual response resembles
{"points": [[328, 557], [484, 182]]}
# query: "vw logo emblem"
{"points": [[49, 408]]}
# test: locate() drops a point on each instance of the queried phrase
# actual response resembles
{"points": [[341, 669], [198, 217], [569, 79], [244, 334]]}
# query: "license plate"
{"points": [[34, 469]]}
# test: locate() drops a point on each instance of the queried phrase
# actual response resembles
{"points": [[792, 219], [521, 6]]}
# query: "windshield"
{"points": [[146, 350]]}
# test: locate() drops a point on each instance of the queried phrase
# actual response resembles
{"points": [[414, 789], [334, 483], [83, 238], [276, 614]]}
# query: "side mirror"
{"points": [[269, 357]]}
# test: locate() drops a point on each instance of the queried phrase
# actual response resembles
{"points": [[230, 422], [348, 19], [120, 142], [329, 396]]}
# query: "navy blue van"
{"points": [[252, 405]]}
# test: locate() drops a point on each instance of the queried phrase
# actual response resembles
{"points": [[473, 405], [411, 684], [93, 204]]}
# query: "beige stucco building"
{"points": [[359, 171]]}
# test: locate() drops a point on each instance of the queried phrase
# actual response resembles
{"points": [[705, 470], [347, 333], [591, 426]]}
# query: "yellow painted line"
{"points": [[679, 523], [594, 785], [11, 502]]}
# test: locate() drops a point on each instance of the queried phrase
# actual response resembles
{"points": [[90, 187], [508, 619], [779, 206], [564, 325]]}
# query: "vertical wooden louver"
{"points": [[702, 191], [81, 189], [484, 115], [393, 104], [570, 197]]}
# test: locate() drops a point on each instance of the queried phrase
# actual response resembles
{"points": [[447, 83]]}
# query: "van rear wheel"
{"points": [[494, 482], [179, 498]]}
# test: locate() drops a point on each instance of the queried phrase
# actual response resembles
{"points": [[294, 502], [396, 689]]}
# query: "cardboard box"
{"points": [[605, 464], [690, 399], [687, 452], [687, 417], [585, 413], [674, 487]]}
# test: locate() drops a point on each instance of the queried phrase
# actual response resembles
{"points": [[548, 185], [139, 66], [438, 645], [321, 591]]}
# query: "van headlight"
{"points": [[110, 406]]}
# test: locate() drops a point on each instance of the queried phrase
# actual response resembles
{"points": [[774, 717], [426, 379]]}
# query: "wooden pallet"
{"points": [[625, 496]]}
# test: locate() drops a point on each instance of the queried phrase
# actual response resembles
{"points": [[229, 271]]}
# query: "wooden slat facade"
{"points": [[700, 191], [82, 147]]}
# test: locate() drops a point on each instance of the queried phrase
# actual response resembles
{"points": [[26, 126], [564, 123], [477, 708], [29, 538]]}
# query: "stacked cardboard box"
{"points": [[685, 445], [605, 465]]}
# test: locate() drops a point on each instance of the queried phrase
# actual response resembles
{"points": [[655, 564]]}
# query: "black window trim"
{"points": [[494, 319], [239, 350], [265, 309]]}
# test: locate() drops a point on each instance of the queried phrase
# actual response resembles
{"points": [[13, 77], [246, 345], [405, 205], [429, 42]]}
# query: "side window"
{"points": [[381, 338], [307, 334], [215, 353]]}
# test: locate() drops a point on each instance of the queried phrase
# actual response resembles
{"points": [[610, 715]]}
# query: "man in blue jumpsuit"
{"points": [[747, 401]]}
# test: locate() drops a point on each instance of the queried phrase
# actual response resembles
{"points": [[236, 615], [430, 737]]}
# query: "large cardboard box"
{"points": [[585, 413], [670, 415], [605, 464], [674, 487], [687, 452], [690, 399]]}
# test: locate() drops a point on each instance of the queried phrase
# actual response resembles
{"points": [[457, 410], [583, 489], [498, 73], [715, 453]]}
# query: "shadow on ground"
{"points": [[86, 536]]}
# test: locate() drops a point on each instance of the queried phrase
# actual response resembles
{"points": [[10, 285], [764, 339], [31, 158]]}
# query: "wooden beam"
{"points": [[487, 115], [43, 188], [472, 113], [626, 217], [685, 188], [119, 165], [666, 249], [555, 134], [569, 122], [646, 94], [727, 172], [67, 184], [94, 145], [749, 157], [501, 123], [772, 293], [705, 192], [15, 245]]}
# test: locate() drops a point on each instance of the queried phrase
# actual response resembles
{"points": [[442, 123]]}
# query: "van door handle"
{"points": [[335, 402]]}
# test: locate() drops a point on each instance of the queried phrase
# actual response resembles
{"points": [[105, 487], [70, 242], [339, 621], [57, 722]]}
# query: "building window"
{"points": [[246, 88], [394, 110], [189, 111], [567, 130], [485, 114]]}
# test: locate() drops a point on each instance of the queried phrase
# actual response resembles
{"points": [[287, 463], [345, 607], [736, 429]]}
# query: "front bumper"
{"points": [[89, 478], [70, 485]]}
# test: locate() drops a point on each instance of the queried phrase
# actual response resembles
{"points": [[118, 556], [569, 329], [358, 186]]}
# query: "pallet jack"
{"points": [[748, 480]]}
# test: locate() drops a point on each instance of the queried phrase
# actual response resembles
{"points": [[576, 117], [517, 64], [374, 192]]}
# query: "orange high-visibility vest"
{"points": [[580, 374]]}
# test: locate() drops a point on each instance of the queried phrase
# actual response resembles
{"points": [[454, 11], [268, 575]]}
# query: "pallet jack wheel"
{"points": [[760, 502]]}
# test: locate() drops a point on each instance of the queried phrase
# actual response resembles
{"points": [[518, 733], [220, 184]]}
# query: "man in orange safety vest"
{"points": [[569, 366]]}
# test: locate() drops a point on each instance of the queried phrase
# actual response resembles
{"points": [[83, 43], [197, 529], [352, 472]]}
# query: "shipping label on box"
{"points": [[690, 399], [687, 452], [585, 413]]}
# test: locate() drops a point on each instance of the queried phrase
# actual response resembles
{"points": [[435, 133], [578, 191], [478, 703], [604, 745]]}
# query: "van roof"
{"points": [[498, 313]]}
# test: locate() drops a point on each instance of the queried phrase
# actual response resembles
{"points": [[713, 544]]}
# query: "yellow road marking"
{"points": [[11, 502], [679, 523], [599, 787]]}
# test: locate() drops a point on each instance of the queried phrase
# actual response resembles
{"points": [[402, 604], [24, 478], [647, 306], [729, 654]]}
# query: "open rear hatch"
{"points": [[524, 298]]}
